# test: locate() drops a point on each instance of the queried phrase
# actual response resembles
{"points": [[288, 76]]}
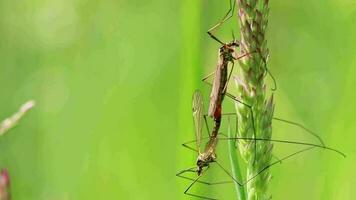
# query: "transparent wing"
{"points": [[197, 108], [215, 89]]}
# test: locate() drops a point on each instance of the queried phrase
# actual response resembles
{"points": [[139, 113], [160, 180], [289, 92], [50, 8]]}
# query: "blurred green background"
{"points": [[113, 82]]}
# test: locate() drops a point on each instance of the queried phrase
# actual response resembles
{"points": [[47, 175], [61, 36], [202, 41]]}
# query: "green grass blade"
{"points": [[235, 167]]}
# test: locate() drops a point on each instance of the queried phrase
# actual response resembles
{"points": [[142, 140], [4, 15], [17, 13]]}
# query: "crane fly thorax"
{"points": [[227, 51]]}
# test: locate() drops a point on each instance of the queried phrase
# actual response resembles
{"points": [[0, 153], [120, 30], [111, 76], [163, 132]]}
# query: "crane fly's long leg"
{"points": [[206, 124], [284, 158], [228, 78], [266, 167], [196, 180], [188, 147], [281, 120], [237, 131], [227, 16], [232, 68], [192, 170], [276, 162], [209, 75], [312, 146], [288, 142], [245, 54], [300, 126], [277, 158], [228, 173], [273, 79], [193, 141], [267, 70]]}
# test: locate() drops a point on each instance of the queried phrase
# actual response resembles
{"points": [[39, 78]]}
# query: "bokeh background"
{"points": [[113, 82]]}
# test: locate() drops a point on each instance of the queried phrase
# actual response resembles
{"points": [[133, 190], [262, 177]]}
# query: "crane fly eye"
{"points": [[199, 162]]}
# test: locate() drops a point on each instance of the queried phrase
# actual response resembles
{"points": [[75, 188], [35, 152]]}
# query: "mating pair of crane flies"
{"points": [[226, 55]]}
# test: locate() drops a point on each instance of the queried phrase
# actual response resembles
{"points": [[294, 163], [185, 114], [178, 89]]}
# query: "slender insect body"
{"points": [[221, 78], [211, 146], [216, 127], [209, 155]]}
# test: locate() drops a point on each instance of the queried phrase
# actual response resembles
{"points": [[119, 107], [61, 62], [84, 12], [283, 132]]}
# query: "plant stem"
{"points": [[253, 18], [12, 121], [235, 167]]}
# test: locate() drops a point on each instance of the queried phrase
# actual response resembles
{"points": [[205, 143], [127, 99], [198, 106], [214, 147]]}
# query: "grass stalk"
{"points": [[12, 121], [235, 167], [253, 18]]}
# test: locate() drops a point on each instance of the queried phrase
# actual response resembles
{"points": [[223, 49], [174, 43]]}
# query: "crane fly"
{"points": [[208, 156], [236, 43]]}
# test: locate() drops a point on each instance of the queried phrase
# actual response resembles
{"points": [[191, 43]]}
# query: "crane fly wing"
{"points": [[214, 95], [197, 108]]}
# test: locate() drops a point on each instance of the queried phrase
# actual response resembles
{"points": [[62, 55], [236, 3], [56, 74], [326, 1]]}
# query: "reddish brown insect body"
{"points": [[221, 78]]}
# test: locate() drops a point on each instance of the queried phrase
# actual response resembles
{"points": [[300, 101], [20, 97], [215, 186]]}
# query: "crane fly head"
{"points": [[201, 163]]}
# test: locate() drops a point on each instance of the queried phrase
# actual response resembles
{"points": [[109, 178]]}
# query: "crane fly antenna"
{"points": [[233, 34]]}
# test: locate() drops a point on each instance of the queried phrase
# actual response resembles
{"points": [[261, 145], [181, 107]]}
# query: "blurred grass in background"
{"points": [[113, 82]]}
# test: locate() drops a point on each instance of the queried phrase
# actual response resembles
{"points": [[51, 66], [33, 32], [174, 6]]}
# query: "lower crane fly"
{"points": [[208, 156]]}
